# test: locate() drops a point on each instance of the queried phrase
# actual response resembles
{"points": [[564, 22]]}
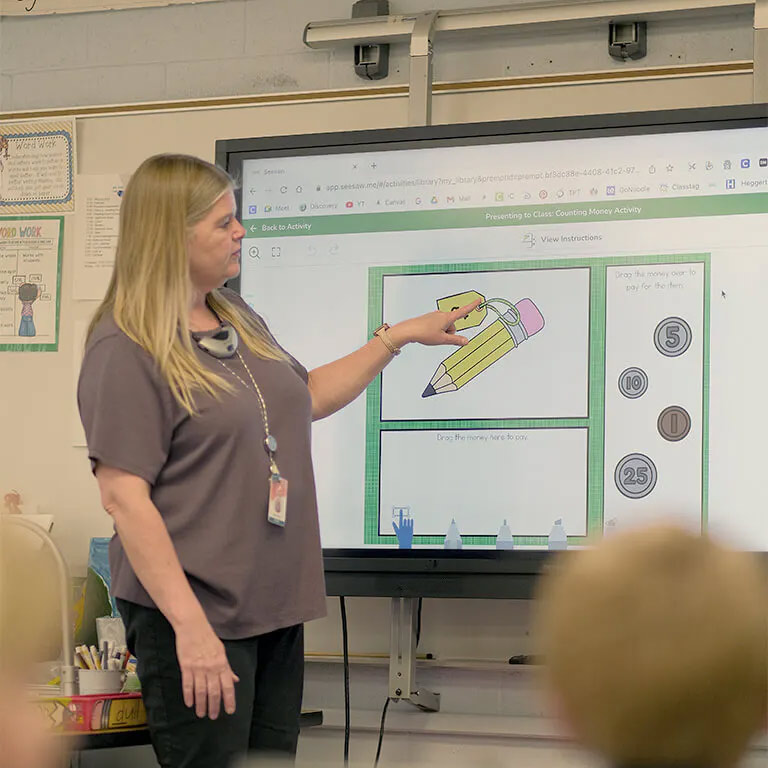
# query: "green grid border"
{"points": [[595, 421], [52, 346]]}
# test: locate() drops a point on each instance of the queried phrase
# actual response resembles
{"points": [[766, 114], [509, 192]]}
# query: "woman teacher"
{"points": [[198, 429]]}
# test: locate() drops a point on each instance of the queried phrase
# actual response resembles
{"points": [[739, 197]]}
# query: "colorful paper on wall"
{"points": [[30, 283], [37, 162]]}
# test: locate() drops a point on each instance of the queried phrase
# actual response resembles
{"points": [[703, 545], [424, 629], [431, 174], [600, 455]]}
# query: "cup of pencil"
{"points": [[101, 671]]}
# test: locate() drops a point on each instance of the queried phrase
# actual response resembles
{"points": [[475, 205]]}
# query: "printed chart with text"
{"points": [[580, 399], [30, 275]]}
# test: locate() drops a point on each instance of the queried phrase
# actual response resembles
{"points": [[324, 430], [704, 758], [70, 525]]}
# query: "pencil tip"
{"points": [[429, 391]]}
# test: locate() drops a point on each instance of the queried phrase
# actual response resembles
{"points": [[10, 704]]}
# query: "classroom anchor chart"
{"points": [[30, 260], [37, 161], [597, 422]]}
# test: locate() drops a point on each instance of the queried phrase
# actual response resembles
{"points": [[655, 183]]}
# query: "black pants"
{"points": [[268, 696]]}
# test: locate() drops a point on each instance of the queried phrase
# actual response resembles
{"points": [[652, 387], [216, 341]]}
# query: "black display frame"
{"points": [[469, 573]]}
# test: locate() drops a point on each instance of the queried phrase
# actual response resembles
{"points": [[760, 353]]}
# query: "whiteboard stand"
{"points": [[402, 657], [404, 624], [760, 53], [420, 89], [419, 30]]}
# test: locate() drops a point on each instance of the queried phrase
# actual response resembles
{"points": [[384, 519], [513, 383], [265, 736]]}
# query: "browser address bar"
{"points": [[460, 180]]}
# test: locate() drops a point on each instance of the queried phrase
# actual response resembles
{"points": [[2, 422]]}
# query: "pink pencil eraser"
{"points": [[531, 318]]}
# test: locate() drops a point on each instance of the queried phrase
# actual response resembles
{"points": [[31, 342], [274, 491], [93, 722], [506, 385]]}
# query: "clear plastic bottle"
{"points": [[504, 538], [557, 536], [453, 537]]}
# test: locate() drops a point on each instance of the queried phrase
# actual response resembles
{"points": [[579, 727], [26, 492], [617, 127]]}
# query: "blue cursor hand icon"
{"points": [[404, 532]]}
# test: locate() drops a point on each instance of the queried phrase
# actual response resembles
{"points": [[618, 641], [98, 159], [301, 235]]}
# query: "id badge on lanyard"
{"points": [[278, 500]]}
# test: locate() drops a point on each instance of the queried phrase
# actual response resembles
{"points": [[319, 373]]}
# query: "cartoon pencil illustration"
{"points": [[512, 328]]}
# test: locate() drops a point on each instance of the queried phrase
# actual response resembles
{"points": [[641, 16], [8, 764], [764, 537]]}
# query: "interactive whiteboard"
{"points": [[615, 371]]}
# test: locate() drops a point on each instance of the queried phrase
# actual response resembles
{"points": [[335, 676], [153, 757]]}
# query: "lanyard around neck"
{"points": [[270, 442]]}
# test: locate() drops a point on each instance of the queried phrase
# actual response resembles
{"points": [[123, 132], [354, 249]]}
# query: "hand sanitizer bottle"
{"points": [[504, 538], [452, 538], [557, 536]]}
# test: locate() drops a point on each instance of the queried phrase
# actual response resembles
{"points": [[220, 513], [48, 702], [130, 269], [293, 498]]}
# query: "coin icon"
{"points": [[633, 383], [635, 476], [672, 336], [674, 423]]}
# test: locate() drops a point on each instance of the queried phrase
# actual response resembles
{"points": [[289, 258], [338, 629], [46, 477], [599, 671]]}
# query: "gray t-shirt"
{"points": [[209, 478]]}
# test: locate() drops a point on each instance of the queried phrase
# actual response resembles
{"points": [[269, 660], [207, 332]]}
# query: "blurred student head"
{"points": [[655, 643], [29, 632]]}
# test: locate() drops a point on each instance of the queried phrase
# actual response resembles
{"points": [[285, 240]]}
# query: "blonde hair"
{"points": [[149, 292], [655, 643]]}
